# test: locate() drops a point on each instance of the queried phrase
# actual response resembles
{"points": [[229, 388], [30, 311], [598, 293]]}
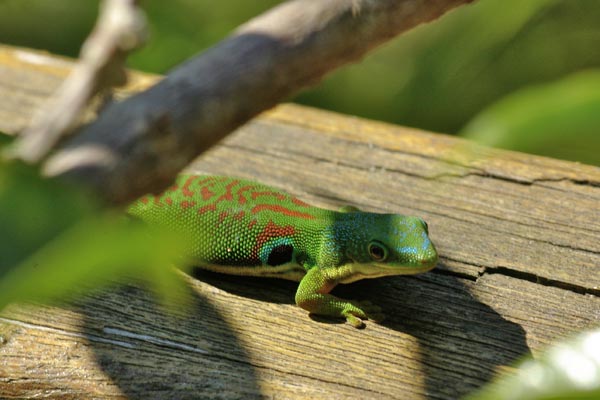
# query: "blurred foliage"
{"points": [[57, 26], [561, 119], [440, 75], [567, 370], [56, 242], [36, 210], [437, 77]]}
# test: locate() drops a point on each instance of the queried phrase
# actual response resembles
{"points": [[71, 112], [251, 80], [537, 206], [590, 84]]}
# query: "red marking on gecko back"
{"points": [[169, 201], [278, 196], [185, 189], [206, 193], [222, 216], [240, 193], [212, 179], [228, 193], [299, 202], [281, 210], [239, 215], [252, 223], [145, 200], [206, 184], [271, 231], [187, 204], [210, 207]]}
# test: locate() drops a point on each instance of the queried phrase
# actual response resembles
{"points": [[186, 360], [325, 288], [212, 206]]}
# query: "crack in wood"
{"points": [[473, 171], [495, 217], [541, 280], [455, 274], [513, 273], [524, 182]]}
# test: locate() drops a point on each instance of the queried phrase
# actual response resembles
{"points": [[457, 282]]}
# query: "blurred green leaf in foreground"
{"points": [[553, 119], [56, 243], [568, 370]]}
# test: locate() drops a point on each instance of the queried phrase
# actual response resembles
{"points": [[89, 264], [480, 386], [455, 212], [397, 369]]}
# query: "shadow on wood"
{"points": [[160, 355], [461, 341]]}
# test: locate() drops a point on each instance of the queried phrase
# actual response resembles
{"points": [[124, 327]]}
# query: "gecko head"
{"points": [[389, 244], [405, 244]]}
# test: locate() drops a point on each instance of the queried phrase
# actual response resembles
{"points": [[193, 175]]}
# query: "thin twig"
{"points": [[120, 29]]}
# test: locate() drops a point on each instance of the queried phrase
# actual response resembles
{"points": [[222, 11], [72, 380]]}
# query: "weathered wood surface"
{"points": [[519, 238]]}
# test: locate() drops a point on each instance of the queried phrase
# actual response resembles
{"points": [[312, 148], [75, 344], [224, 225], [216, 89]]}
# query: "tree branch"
{"points": [[140, 144]]}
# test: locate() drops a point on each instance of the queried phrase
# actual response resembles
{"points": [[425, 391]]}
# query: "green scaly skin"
{"points": [[246, 228]]}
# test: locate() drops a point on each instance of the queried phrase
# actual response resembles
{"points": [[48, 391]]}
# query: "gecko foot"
{"points": [[357, 311]]}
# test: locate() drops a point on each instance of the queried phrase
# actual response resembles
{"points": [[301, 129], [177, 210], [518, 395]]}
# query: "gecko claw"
{"points": [[358, 311]]}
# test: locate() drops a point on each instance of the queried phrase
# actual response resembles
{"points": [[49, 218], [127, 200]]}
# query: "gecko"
{"points": [[241, 227]]}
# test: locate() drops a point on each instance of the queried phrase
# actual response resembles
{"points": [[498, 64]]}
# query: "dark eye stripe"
{"points": [[281, 254]]}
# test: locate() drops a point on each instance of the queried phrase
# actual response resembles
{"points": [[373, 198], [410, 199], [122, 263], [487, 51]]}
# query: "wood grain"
{"points": [[519, 238]]}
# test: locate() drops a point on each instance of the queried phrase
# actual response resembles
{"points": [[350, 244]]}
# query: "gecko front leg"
{"points": [[313, 296]]}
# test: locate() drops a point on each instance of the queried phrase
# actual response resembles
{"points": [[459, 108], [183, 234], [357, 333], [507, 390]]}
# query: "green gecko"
{"points": [[245, 228]]}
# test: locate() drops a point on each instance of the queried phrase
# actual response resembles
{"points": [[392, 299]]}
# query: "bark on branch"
{"points": [[140, 144]]}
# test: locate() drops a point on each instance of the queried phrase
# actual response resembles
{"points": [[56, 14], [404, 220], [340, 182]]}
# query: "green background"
{"points": [[511, 73]]}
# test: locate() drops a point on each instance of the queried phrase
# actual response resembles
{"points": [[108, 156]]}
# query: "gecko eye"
{"points": [[377, 251]]}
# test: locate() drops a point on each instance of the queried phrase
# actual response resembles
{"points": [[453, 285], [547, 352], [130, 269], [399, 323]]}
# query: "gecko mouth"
{"points": [[371, 271], [424, 267]]}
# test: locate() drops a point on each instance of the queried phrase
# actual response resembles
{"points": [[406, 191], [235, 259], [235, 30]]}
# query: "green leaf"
{"points": [[34, 210], [91, 253], [558, 119], [568, 370], [5, 139], [56, 242]]}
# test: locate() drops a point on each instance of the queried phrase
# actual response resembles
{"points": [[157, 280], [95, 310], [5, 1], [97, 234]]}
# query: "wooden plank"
{"points": [[530, 220], [520, 268], [443, 336]]}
